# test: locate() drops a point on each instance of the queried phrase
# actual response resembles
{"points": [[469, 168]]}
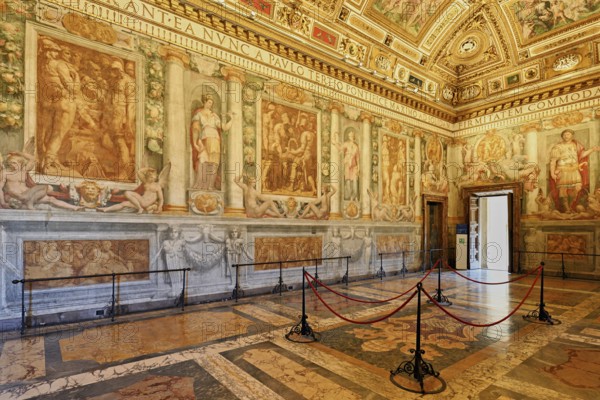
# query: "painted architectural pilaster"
{"points": [[531, 151], [418, 172], [175, 145], [336, 166], [234, 199], [365, 163]]}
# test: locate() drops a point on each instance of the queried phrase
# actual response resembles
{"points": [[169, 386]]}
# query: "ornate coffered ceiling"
{"points": [[453, 58]]}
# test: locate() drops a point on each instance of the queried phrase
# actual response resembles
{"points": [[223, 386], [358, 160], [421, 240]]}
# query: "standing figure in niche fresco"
{"points": [[17, 188], [569, 175], [351, 157], [257, 205], [319, 208], [148, 196], [205, 130]]}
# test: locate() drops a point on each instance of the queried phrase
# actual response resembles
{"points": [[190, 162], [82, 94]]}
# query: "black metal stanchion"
{"points": [[316, 274], [302, 332], [403, 270], [237, 291], [381, 273], [182, 297], [22, 282], [345, 278], [562, 259], [113, 299], [519, 270], [439, 295], [417, 368], [280, 287], [540, 315]]}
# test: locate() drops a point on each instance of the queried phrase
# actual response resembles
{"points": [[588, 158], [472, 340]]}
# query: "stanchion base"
{"points": [[440, 298], [345, 279], [280, 287], [404, 271], [542, 317], [302, 333], [237, 293], [417, 371], [178, 301], [380, 274]]}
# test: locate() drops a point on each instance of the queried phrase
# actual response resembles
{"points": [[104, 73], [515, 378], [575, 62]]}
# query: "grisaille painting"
{"points": [[86, 112], [269, 249], [289, 161], [62, 258]]}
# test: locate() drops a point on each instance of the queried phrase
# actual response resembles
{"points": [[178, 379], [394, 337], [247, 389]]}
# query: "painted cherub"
{"points": [[19, 190], [148, 196]]}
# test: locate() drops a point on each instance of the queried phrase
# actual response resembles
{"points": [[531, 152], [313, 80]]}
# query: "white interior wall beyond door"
{"points": [[494, 248]]}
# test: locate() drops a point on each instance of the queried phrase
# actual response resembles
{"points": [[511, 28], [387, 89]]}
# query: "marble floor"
{"points": [[229, 350]]}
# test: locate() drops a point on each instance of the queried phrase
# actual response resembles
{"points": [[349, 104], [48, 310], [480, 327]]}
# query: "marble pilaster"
{"points": [[418, 172], [336, 160], [365, 163], [531, 152]]}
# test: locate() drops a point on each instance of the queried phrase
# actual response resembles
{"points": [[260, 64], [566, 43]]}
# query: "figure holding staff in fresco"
{"points": [[205, 135], [351, 158], [569, 175]]}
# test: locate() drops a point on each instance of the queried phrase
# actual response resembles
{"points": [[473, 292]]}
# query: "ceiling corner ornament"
{"points": [[292, 17]]}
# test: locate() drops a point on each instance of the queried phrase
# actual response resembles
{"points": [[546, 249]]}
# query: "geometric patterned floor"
{"points": [[229, 350]]}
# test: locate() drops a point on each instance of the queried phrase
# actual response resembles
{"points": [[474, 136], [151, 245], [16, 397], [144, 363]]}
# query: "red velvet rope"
{"points": [[367, 301], [490, 324], [358, 322], [491, 283]]}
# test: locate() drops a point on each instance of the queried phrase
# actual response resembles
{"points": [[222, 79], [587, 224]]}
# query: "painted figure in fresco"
{"points": [[257, 205], [303, 167], [385, 166], [17, 188], [379, 212], [205, 134], [235, 250], [319, 208], [103, 260], [569, 176], [351, 156], [148, 196], [120, 111], [60, 102]]}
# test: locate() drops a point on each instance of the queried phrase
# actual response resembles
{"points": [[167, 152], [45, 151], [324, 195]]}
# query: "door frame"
{"points": [[443, 200], [514, 190]]}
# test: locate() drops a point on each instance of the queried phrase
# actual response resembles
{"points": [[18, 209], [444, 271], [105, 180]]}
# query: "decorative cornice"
{"points": [[174, 54]]}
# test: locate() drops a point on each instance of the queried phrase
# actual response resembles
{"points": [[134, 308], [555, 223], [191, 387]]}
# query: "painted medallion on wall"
{"points": [[86, 112], [270, 249], [289, 158], [62, 258]]}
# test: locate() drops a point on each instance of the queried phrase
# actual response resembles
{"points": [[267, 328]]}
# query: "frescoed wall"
{"points": [[217, 151]]}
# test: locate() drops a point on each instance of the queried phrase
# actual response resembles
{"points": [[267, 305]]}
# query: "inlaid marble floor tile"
{"points": [[22, 360], [264, 315]]}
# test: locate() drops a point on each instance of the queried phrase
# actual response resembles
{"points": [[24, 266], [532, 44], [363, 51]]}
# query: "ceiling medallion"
{"points": [[468, 46], [566, 62]]}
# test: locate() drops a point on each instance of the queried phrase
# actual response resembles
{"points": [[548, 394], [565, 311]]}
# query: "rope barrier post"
{"points": [[302, 332], [316, 274], [237, 291], [280, 286], [381, 273], [346, 277], [403, 270], [519, 270], [562, 258], [22, 282], [113, 300], [439, 295], [540, 314], [416, 367], [183, 291]]}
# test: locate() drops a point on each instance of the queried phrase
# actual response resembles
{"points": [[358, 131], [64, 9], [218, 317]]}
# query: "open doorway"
{"points": [[494, 245], [484, 227]]}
